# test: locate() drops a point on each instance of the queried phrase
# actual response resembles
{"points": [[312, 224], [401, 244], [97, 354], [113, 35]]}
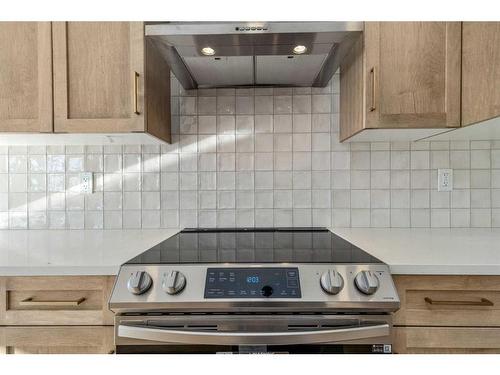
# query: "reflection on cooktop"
{"points": [[291, 245]]}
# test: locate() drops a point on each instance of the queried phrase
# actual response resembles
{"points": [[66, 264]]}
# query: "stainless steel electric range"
{"points": [[286, 290]]}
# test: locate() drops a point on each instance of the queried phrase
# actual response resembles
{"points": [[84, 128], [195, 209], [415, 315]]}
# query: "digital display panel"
{"points": [[242, 282]]}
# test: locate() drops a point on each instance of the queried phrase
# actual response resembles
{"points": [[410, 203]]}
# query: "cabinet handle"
{"points": [[373, 105], [483, 302], [31, 302], [136, 93]]}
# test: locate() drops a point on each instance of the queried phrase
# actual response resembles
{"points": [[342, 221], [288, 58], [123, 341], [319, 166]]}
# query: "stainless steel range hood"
{"points": [[253, 53]]}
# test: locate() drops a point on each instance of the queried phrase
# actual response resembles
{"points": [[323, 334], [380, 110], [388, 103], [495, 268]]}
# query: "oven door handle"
{"points": [[180, 336]]}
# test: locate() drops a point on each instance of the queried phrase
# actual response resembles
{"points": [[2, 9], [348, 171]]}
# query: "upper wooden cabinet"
{"points": [[82, 77], [402, 75], [99, 80], [98, 76], [25, 77], [480, 71]]}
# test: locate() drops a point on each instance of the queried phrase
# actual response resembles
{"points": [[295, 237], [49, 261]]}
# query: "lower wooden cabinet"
{"points": [[57, 340], [447, 314], [422, 340], [55, 300], [56, 314]]}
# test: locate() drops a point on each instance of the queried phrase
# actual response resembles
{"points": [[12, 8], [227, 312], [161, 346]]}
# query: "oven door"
{"points": [[230, 333]]}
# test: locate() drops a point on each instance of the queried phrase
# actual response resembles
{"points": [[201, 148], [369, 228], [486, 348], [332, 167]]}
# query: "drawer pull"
{"points": [[31, 302], [483, 302]]}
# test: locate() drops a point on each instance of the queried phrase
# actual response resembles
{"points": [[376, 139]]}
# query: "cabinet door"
{"points": [[412, 73], [25, 77], [98, 77], [480, 71], [57, 340]]}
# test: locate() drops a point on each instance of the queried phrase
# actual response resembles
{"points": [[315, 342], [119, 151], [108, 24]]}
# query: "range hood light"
{"points": [[208, 51], [299, 50]]}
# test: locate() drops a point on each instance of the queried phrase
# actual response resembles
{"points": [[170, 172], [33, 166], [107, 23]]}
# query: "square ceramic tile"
{"points": [[282, 123], [18, 183], [302, 123], [301, 104], [283, 161], [301, 161], [207, 200], [302, 142], [282, 104], [207, 124], [263, 123], [225, 105], [480, 159], [301, 179], [244, 105], [151, 200], [263, 104], [283, 199], [207, 181], [263, 143], [188, 200], [245, 199], [321, 104], [245, 180], [207, 105], [264, 199], [112, 163], [18, 164], [131, 219], [37, 182]]}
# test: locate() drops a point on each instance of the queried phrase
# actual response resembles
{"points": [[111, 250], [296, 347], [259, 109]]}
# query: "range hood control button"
{"points": [[367, 282], [139, 282], [332, 282], [174, 282]]}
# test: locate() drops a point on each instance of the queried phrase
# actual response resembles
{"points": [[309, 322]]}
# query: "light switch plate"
{"points": [[86, 183], [445, 179]]}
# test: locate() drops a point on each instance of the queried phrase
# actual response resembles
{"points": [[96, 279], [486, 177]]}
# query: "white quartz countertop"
{"points": [[73, 252], [464, 251], [101, 252]]}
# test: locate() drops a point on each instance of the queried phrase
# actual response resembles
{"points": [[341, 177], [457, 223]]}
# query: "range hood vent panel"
{"points": [[221, 71], [254, 53], [281, 70]]}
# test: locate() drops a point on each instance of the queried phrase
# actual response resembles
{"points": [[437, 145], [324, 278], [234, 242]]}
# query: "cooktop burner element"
{"points": [[256, 245]]}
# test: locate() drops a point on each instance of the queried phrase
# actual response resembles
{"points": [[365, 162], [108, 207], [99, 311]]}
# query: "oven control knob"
{"points": [[139, 282], [367, 282], [332, 282], [174, 282]]}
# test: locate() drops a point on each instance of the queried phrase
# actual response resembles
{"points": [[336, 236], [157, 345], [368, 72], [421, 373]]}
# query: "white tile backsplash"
{"points": [[252, 157]]}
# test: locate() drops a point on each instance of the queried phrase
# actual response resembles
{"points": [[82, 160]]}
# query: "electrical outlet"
{"points": [[86, 183], [445, 179]]}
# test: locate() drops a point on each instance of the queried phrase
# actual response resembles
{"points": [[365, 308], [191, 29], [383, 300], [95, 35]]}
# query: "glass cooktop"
{"points": [[254, 245]]}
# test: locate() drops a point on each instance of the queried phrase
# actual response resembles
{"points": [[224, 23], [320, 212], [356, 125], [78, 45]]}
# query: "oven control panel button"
{"points": [[139, 282], [267, 291], [173, 282], [367, 282], [331, 282]]}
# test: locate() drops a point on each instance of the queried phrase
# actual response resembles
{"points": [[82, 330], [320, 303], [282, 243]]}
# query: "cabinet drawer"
{"points": [[56, 340], [51, 300], [446, 340], [472, 301]]}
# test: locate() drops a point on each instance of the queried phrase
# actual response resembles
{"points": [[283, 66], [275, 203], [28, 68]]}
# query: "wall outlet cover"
{"points": [[445, 179], [86, 183]]}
